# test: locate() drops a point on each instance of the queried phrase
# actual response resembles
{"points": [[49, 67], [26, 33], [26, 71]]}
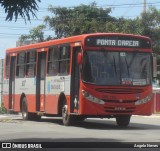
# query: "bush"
{"points": [[2, 109]]}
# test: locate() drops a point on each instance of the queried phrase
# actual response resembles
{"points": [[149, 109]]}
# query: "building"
{"points": [[1, 80]]}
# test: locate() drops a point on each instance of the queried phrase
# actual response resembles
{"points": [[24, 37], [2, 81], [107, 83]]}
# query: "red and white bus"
{"points": [[102, 75]]}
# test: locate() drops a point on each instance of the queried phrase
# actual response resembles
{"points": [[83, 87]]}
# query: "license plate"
{"points": [[120, 108]]}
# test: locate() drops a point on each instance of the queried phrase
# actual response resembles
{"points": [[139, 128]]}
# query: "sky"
{"points": [[11, 31]]}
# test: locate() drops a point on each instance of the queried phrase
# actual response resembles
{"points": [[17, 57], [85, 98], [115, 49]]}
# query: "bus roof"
{"points": [[73, 39]]}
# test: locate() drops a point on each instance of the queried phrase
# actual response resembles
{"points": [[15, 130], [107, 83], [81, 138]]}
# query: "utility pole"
{"points": [[144, 6]]}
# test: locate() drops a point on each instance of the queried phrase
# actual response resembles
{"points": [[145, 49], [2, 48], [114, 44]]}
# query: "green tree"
{"points": [[23, 8], [35, 34], [150, 25], [90, 18], [147, 24], [78, 20], [23, 38]]}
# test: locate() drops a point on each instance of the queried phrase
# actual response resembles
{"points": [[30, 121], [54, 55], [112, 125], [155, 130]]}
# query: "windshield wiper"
{"points": [[134, 55], [127, 67], [115, 69]]}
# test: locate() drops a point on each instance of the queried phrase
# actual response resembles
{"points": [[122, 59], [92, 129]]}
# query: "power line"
{"points": [[114, 5], [110, 5], [144, 6], [119, 5], [21, 19], [24, 28], [17, 37], [128, 9], [19, 28]]}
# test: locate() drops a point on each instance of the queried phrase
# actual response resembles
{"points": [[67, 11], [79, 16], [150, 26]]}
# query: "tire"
{"points": [[123, 121], [26, 115], [66, 118]]}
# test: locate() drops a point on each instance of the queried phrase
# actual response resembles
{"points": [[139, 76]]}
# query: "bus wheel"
{"points": [[25, 114], [24, 109], [123, 120], [66, 118]]}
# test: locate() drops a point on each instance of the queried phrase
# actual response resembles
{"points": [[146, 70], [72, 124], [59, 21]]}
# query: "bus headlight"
{"points": [[145, 100], [92, 98]]}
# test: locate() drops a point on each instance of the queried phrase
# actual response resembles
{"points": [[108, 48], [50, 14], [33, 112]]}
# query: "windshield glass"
{"points": [[116, 68]]}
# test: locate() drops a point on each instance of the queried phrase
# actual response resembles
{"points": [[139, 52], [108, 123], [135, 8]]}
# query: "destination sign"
{"points": [[125, 43], [118, 41]]}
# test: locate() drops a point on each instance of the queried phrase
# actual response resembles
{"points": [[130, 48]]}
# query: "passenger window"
{"points": [[31, 63], [7, 61], [53, 65], [64, 60], [21, 62], [59, 60]]}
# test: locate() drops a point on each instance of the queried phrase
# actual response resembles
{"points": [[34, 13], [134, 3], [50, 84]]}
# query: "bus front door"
{"points": [[12, 82], [75, 81], [40, 82]]}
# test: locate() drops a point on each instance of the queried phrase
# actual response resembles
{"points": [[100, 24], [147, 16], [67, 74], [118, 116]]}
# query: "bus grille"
{"points": [[119, 91]]}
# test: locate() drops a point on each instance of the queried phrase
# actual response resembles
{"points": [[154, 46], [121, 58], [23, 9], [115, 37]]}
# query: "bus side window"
{"points": [[53, 56], [21, 62], [31, 63], [64, 60], [7, 61]]}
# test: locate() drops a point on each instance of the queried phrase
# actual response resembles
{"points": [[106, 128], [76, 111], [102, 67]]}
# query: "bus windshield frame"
{"points": [[118, 68]]}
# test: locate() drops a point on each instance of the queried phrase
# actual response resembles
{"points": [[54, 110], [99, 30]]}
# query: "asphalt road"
{"points": [[141, 129]]}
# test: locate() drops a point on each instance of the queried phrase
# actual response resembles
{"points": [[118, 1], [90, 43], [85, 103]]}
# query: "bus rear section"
{"points": [[102, 75]]}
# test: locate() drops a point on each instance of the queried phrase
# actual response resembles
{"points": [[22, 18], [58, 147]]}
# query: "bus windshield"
{"points": [[116, 68]]}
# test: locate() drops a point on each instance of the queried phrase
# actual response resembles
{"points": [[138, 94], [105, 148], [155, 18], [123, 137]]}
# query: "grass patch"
{"points": [[2, 109]]}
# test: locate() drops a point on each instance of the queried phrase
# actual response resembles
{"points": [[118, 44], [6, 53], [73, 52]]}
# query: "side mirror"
{"points": [[79, 58]]}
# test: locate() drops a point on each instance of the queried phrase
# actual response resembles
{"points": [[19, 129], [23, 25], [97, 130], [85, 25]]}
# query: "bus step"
{"points": [[40, 113], [73, 113]]}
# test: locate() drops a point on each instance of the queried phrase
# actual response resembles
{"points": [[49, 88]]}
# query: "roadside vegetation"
{"points": [[83, 19], [2, 109]]}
